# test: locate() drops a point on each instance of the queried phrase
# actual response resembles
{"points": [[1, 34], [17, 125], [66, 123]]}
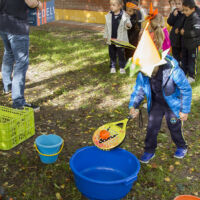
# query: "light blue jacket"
{"points": [[177, 91]]}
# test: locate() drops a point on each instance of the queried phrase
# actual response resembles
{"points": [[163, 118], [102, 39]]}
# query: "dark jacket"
{"points": [[175, 22], [191, 37], [133, 33], [13, 17], [197, 9]]}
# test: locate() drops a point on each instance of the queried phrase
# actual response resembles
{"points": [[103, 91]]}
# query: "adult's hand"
{"points": [[40, 5]]}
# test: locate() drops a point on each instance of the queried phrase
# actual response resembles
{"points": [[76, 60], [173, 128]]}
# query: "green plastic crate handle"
{"points": [[49, 155]]}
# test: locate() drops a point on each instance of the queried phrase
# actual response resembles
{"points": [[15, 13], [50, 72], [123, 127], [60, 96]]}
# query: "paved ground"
{"points": [[73, 24]]}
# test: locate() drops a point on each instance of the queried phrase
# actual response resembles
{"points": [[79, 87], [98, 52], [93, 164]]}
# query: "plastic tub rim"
{"points": [[123, 181], [47, 146], [186, 195]]}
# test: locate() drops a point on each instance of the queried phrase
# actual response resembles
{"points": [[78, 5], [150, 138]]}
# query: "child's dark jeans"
{"points": [[158, 111], [115, 52], [189, 58]]}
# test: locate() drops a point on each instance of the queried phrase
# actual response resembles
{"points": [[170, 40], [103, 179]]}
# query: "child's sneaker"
{"points": [[146, 157], [191, 80], [180, 153], [122, 71], [112, 70]]}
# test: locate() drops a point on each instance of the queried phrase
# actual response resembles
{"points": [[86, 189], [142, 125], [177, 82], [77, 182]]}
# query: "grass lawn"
{"points": [[69, 78]]}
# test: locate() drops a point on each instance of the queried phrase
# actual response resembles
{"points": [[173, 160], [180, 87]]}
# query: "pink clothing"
{"points": [[166, 44]]}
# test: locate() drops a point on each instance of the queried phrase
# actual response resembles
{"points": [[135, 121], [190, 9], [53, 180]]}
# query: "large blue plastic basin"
{"points": [[104, 175]]}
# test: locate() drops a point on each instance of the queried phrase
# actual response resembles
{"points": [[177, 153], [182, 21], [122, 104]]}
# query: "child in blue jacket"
{"points": [[168, 94]]}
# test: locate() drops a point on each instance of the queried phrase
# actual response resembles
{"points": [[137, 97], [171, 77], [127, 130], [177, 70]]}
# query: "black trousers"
{"points": [[156, 115], [189, 61], [114, 53], [176, 52]]}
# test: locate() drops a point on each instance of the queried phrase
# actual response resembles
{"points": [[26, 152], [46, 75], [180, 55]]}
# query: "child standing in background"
{"points": [[117, 24], [133, 11], [176, 20], [172, 5], [168, 94], [159, 32], [191, 39]]}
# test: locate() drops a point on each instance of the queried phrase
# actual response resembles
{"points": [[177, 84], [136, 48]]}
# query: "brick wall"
{"points": [[103, 5]]}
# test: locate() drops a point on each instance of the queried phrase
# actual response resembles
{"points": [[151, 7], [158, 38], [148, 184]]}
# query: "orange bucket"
{"points": [[187, 197]]}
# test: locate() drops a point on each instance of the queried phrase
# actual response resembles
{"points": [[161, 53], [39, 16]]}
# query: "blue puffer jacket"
{"points": [[177, 91]]}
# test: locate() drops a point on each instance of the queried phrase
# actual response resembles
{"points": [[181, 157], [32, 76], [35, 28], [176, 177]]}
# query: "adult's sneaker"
{"points": [[180, 153], [6, 92], [35, 107], [146, 157]]}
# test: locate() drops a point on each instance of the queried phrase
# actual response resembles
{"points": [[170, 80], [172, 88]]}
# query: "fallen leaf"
{"points": [[177, 163], [167, 179], [154, 165], [56, 186], [62, 186], [58, 196], [5, 184], [191, 170], [189, 178], [171, 168]]}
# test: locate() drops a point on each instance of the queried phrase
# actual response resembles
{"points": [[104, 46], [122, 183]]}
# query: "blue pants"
{"points": [[115, 52], [14, 65], [158, 111]]}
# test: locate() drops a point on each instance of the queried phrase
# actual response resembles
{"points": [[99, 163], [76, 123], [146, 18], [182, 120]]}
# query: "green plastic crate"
{"points": [[16, 126]]}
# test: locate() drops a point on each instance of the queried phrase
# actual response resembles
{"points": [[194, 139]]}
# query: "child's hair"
{"points": [[170, 1], [157, 28], [162, 21], [120, 2], [189, 3]]}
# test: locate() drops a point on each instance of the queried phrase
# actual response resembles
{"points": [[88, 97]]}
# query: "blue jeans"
{"points": [[158, 111], [14, 65]]}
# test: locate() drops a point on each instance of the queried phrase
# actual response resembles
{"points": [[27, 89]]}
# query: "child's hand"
{"points": [[183, 116], [134, 112], [175, 12], [182, 31], [128, 25], [176, 31]]}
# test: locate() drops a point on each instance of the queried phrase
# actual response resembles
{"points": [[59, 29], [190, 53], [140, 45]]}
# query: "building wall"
{"points": [[93, 11], [92, 5]]}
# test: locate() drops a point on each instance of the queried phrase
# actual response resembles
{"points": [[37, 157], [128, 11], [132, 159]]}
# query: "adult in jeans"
{"points": [[14, 31]]}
